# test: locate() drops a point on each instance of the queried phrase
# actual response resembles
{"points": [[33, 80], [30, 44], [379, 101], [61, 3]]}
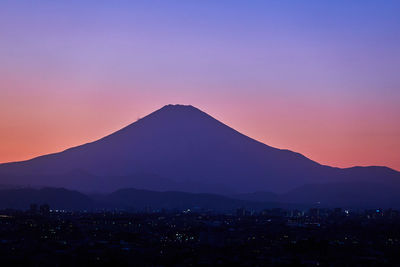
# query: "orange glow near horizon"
{"points": [[341, 138]]}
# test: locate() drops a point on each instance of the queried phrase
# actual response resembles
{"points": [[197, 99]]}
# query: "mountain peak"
{"points": [[178, 113], [179, 108]]}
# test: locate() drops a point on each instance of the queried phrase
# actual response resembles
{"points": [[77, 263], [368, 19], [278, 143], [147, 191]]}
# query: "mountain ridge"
{"points": [[183, 145]]}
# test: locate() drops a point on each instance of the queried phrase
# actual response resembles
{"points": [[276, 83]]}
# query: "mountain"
{"points": [[181, 148]]}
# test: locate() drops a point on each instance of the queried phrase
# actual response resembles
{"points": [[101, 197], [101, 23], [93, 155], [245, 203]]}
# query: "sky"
{"points": [[317, 77]]}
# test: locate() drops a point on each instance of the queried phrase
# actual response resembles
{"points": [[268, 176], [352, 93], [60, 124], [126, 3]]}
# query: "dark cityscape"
{"points": [[315, 237]]}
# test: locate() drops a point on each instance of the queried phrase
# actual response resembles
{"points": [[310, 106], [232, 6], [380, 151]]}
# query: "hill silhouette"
{"points": [[125, 199], [315, 195]]}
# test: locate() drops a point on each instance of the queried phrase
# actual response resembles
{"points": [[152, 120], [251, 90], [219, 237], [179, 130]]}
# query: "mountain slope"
{"points": [[181, 148]]}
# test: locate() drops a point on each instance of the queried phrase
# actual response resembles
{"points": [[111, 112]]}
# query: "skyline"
{"points": [[316, 78]]}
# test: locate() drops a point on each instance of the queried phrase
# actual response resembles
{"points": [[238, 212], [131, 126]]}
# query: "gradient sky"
{"points": [[318, 77]]}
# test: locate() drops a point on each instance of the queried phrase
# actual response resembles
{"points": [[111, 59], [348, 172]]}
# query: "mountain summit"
{"points": [[181, 148]]}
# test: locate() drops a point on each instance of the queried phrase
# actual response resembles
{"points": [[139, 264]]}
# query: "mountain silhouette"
{"points": [[182, 148]]}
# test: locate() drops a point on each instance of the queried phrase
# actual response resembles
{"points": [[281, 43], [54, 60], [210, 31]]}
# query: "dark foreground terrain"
{"points": [[276, 237]]}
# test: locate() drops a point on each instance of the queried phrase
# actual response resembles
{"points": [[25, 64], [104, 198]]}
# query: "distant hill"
{"points": [[346, 195], [180, 148], [125, 199]]}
